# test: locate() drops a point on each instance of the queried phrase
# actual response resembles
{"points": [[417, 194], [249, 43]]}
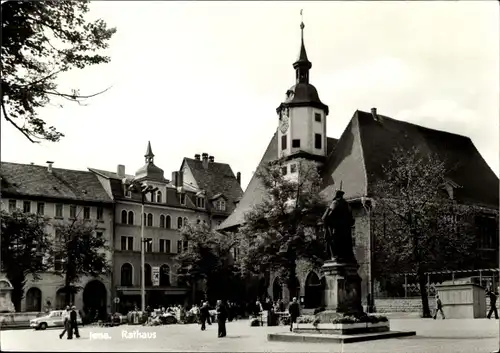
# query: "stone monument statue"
{"points": [[6, 305], [338, 222]]}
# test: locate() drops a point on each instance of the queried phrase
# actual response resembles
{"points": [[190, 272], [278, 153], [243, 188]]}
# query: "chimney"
{"points": [[180, 179], [197, 156], [175, 178], [238, 177], [374, 114], [211, 159], [204, 158], [49, 166], [120, 171]]}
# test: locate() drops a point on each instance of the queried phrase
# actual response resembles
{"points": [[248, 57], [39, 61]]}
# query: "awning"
{"points": [[166, 290]]}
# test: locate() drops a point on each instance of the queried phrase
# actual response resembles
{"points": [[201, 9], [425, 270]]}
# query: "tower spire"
{"points": [[302, 65], [149, 153]]}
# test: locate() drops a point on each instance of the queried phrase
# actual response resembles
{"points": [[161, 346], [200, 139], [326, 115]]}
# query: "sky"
{"points": [[195, 77]]}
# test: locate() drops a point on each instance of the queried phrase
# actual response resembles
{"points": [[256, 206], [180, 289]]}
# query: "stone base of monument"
{"points": [[17, 320]]}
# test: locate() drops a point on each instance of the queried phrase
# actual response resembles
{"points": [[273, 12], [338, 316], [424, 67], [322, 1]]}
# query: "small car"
{"points": [[53, 319]]}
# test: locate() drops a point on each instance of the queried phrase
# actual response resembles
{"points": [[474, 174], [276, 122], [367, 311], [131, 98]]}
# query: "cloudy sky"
{"points": [[198, 77]]}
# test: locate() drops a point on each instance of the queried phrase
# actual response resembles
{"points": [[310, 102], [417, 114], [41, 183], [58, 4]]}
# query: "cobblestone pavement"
{"points": [[457, 336]]}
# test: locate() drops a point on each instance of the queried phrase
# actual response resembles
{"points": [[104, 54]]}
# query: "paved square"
{"points": [[453, 336]]}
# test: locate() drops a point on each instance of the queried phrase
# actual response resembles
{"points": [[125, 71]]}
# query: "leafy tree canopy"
{"points": [[41, 39], [24, 247]]}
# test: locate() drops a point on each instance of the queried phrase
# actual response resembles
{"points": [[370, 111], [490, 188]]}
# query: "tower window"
{"points": [[317, 117], [317, 141], [293, 168], [296, 143], [283, 142], [284, 170]]}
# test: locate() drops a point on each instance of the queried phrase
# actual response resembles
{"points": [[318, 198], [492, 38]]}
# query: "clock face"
{"points": [[284, 123]]}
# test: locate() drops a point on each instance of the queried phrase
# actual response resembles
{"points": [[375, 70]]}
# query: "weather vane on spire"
{"points": [[301, 19]]}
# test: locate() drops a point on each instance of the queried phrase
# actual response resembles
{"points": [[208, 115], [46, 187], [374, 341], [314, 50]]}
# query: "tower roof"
{"points": [[302, 60], [149, 151], [149, 170]]}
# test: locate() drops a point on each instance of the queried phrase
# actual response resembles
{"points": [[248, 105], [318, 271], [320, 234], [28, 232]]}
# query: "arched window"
{"points": [[164, 275], [147, 275], [152, 197], [130, 217], [124, 217], [34, 299], [144, 219], [162, 221], [158, 196], [179, 222], [185, 221], [126, 274], [150, 219], [168, 222]]}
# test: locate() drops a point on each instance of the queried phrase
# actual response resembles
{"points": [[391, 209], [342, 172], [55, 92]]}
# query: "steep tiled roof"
{"points": [[36, 181], [217, 178], [367, 144], [254, 192]]}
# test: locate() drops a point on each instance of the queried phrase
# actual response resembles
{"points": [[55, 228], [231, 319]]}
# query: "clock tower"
{"points": [[302, 117]]}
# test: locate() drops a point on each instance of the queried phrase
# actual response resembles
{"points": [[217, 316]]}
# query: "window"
{"points": [[158, 197], [200, 202], [144, 219], [40, 208], [27, 206], [148, 244], [12, 205], [162, 221], [148, 278], [150, 219], [293, 168], [168, 222], [99, 234], [182, 198], [124, 217], [220, 205], [152, 195], [284, 170], [317, 141], [179, 246], [283, 142], [179, 222], [165, 246], [130, 217], [86, 213], [185, 245], [59, 210], [100, 213], [488, 233], [59, 261], [317, 117], [127, 243], [128, 194], [164, 275], [236, 252], [185, 221], [126, 275], [72, 211], [296, 143]]}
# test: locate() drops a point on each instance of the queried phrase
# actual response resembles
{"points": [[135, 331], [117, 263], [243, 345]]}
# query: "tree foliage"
{"points": [[283, 227], [208, 258], [41, 39], [24, 246], [82, 249], [417, 226]]}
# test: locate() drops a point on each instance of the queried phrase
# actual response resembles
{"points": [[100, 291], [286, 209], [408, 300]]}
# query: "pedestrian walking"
{"points": [[294, 311], [493, 301], [221, 318], [204, 315], [439, 308], [73, 316], [66, 323]]}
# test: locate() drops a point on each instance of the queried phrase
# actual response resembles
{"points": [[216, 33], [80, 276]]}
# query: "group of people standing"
{"points": [[222, 315], [70, 319]]}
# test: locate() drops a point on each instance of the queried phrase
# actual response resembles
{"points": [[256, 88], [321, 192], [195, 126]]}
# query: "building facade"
{"points": [[356, 160], [61, 195], [201, 191]]}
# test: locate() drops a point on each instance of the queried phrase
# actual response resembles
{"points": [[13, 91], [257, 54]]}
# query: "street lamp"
{"points": [[144, 190]]}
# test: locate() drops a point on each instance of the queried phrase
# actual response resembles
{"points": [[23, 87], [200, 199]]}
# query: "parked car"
{"points": [[52, 319]]}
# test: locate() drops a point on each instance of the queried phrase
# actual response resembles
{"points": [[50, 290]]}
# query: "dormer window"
{"points": [[182, 198], [128, 194], [158, 197], [200, 202], [220, 205]]}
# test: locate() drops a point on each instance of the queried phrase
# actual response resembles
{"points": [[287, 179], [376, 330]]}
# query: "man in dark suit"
{"points": [[204, 315], [73, 316], [221, 318], [294, 311], [493, 300]]}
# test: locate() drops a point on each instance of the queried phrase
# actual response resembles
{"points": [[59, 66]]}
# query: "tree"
{"points": [[208, 258], [283, 227], [41, 39], [82, 251], [418, 227], [24, 244]]}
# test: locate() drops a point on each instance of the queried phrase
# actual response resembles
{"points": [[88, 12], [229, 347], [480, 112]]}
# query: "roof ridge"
{"points": [[45, 166]]}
